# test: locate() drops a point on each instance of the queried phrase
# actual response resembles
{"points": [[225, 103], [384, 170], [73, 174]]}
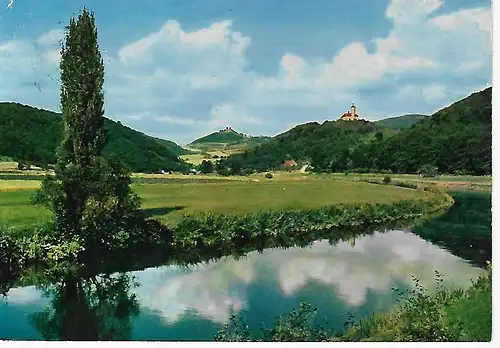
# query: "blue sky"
{"points": [[179, 69]]}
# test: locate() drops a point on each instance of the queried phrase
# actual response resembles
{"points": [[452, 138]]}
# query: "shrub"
{"points": [[10, 262], [406, 185], [428, 171], [387, 179], [269, 176]]}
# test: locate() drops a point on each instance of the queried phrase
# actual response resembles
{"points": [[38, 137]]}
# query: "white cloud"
{"points": [[175, 120], [52, 37], [204, 75], [434, 92], [229, 114], [407, 11]]}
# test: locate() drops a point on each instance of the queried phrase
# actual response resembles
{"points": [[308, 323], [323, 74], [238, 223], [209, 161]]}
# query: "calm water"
{"points": [[178, 303], [181, 304]]}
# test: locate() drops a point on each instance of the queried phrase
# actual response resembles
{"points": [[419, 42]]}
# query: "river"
{"points": [[192, 303]]}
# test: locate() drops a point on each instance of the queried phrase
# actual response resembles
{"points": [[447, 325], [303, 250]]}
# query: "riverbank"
{"points": [[199, 237], [450, 314]]}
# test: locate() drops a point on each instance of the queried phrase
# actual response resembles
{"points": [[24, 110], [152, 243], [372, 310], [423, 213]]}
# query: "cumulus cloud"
{"points": [[185, 83]]}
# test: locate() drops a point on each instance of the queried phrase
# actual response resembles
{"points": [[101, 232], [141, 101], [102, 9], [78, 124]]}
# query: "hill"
{"points": [[326, 145], [225, 136], [400, 122], [32, 135], [172, 147], [227, 139], [456, 139]]}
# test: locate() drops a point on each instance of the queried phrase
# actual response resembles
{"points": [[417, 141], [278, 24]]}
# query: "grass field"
{"points": [[168, 201], [197, 158]]}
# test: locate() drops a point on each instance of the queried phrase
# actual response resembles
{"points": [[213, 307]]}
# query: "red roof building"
{"points": [[290, 164], [350, 115]]}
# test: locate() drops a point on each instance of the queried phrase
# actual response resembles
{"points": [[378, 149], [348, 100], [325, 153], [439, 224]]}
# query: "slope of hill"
{"points": [[223, 136], [325, 146], [400, 122], [31, 134], [171, 146], [456, 139]]}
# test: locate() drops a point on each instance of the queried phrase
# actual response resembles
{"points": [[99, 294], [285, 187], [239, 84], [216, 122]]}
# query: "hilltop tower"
{"points": [[350, 115], [353, 110]]}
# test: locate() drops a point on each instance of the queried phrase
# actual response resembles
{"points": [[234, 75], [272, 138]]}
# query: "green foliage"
{"points": [[296, 326], [220, 235], [229, 136], [387, 180], [32, 135], [456, 138], [400, 122], [206, 167], [90, 195], [97, 308], [227, 140], [447, 315], [269, 175], [428, 171], [10, 263], [465, 229]]}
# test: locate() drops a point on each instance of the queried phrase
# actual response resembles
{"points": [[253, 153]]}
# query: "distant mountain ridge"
{"points": [[32, 134]]}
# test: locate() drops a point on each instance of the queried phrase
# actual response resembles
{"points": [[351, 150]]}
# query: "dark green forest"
{"points": [[400, 122], [31, 135], [454, 140]]}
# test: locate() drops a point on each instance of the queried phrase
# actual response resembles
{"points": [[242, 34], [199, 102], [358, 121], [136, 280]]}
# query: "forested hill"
{"points": [[456, 139], [323, 145], [226, 139], [32, 135], [224, 136], [400, 122]]}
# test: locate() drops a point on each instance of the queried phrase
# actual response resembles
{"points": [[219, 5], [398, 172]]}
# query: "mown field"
{"points": [[169, 199]]}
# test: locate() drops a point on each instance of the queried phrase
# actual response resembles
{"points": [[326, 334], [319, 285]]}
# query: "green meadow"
{"points": [[169, 199]]}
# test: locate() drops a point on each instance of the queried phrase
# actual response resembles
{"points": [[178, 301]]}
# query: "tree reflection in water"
{"points": [[97, 308]]}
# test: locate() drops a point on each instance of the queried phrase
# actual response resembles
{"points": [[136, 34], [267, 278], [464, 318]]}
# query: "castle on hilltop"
{"points": [[350, 115]]}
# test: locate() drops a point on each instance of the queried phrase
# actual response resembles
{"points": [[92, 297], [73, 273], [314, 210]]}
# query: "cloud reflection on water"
{"points": [[372, 263], [351, 270]]}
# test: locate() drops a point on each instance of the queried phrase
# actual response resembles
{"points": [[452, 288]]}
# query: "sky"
{"points": [[180, 69]]}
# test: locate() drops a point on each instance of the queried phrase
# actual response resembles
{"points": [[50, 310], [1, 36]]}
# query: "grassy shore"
{"points": [[168, 200]]}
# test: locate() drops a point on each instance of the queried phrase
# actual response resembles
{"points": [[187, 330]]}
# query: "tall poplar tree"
{"points": [[89, 195]]}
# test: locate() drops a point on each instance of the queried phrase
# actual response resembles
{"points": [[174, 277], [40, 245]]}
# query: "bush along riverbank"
{"points": [[223, 235], [202, 238], [447, 315]]}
